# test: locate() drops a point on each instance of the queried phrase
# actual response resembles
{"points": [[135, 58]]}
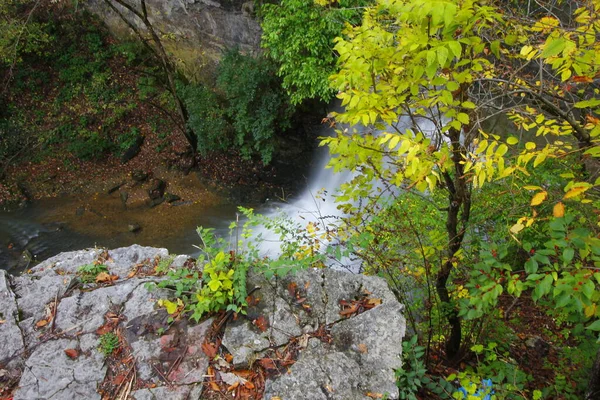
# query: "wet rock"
{"points": [[134, 228], [124, 196], [157, 189], [170, 198], [139, 176], [155, 202], [114, 188]]}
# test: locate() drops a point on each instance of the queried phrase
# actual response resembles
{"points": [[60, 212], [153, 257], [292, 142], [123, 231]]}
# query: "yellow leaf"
{"points": [[530, 145], [590, 310], [539, 198], [559, 210], [512, 140], [516, 228], [576, 191], [531, 187]]}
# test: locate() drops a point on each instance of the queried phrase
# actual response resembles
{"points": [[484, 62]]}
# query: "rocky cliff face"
{"points": [[195, 31], [319, 334]]}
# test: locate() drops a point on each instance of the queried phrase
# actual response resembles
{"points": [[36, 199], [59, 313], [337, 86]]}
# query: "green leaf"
{"points": [[587, 103], [553, 47], [463, 118], [431, 57], [568, 254], [595, 326], [442, 55], [531, 266], [456, 48], [495, 47]]}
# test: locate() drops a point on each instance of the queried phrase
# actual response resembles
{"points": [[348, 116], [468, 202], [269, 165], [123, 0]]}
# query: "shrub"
{"points": [[256, 104]]}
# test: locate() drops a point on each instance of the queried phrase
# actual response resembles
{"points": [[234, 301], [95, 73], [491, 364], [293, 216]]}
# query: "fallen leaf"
{"points": [[349, 311], [103, 277], [210, 349], [267, 363], [104, 329], [117, 380], [229, 357], [72, 353], [362, 348], [233, 387], [292, 286], [375, 395], [582, 79], [41, 323], [372, 303], [303, 341], [261, 323], [2, 321], [252, 301]]}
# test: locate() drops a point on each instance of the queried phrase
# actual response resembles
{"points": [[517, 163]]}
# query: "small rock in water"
{"points": [[157, 189], [134, 227], [124, 196], [139, 176], [170, 197], [114, 188]]}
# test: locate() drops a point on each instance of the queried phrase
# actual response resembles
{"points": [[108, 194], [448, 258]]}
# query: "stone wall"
{"points": [[195, 31]]}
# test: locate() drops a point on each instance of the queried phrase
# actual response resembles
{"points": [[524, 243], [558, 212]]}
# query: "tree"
{"points": [[132, 16], [298, 35], [20, 34], [429, 74]]}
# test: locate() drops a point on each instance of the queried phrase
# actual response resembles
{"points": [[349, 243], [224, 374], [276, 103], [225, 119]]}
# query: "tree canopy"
{"points": [[428, 80]]}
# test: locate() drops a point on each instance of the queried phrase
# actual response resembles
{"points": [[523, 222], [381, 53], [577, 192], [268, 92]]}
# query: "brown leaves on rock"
{"points": [[72, 353], [299, 295], [353, 307], [261, 323], [105, 277], [112, 320], [210, 349]]}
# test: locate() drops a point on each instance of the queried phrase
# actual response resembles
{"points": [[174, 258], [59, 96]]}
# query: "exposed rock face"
{"points": [[52, 322], [343, 357], [202, 28]]}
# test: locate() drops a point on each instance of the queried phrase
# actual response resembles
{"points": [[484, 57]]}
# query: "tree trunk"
{"points": [[593, 389], [459, 208], [162, 56]]}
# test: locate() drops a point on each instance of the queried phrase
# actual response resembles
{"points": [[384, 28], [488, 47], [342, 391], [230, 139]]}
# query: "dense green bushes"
{"points": [[245, 110]]}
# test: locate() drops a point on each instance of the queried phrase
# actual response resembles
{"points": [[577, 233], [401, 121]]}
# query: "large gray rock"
{"points": [[34, 343], [202, 29], [336, 357], [11, 340], [364, 349]]}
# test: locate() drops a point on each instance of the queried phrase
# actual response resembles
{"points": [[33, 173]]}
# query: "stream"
{"points": [[47, 227]]}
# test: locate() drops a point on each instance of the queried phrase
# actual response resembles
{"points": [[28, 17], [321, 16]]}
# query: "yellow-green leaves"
{"points": [[539, 198], [575, 189]]}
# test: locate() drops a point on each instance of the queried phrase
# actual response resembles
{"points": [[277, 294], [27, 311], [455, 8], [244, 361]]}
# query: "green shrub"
{"points": [[206, 117], [109, 342], [256, 104], [88, 273]]}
